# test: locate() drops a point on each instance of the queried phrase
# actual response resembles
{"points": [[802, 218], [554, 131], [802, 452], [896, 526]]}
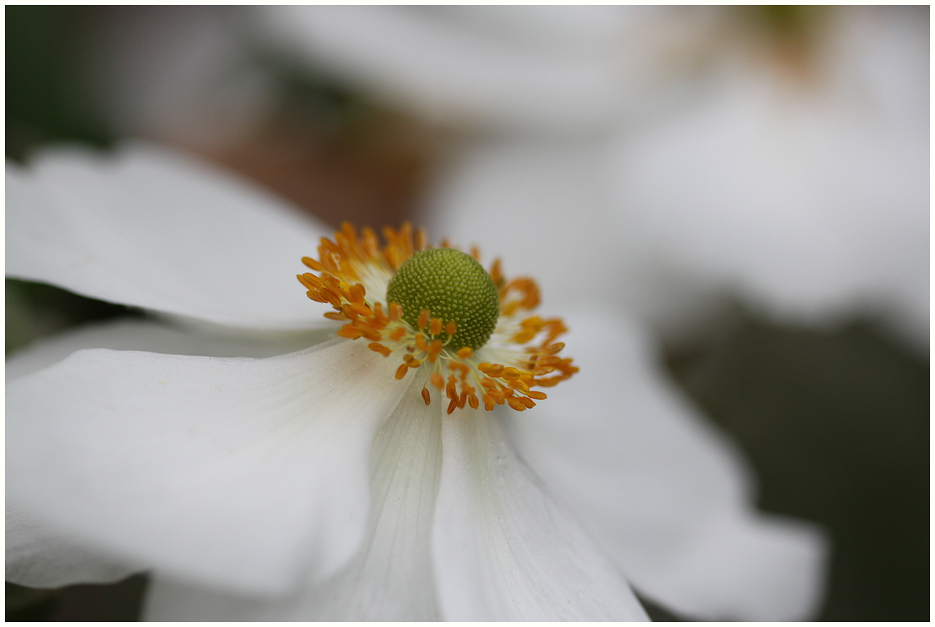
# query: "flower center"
{"points": [[432, 308], [452, 286]]}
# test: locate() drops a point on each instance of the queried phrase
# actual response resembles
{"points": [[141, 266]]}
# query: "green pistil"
{"points": [[452, 286]]}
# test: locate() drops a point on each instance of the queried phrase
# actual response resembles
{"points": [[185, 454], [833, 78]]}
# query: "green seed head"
{"points": [[452, 286]]}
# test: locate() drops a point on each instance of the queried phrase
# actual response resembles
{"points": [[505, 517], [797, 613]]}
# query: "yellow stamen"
{"points": [[522, 353]]}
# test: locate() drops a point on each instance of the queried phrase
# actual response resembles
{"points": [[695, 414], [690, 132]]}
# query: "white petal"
{"points": [[391, 576], [152, 228], [661, 490], [38, 557], [503, 550], [234, 472], [155, 337]]}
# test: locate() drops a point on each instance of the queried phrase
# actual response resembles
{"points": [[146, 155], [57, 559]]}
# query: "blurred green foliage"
{"points": [[41, 47], [37, 310]]}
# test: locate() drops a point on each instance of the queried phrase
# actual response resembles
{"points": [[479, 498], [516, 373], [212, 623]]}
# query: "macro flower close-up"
{"points": [[271, 450], [467, 313]]}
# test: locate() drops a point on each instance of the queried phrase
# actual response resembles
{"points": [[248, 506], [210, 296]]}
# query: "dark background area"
{"points": [[835, 420]]}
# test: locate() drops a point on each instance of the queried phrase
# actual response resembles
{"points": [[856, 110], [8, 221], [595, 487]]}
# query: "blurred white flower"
{"points": [[806, 193], [553, 70], [282, 473]]}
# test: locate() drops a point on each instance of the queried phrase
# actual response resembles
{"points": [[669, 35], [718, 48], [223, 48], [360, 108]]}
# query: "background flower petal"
{"points": [[242, 473], [390, 578], [662, 491], [457, 66], [810, 199], [38, 557], [502, 549], [153, 228], [552, 192]]}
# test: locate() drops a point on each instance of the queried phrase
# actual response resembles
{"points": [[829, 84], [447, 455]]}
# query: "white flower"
{"points": [[555, 69], [284, 473], [807, 196]]}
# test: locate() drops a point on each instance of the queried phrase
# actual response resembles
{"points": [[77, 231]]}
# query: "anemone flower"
{"points": [[701, 160], [394, 458]]}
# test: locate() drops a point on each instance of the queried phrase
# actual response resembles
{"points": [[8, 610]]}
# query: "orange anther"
{"points": [[510, 373], [350, 332], [328, 245], [357, 293], [424, 318], [493, 370], [539, 396], [520, 385], [426, 396], [370, 243], [495, 273], [370, 334], [379, 348], [551, 349], [312, 263], [465, 352], [533, 322], [451, 327], [434, 350], [401, 371], [437, 380], [458, 366], [436, 326], [362, 309], [420, 342], [349, 312], [524, 336], [309, 280], [516, 403], [378, 314]]}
